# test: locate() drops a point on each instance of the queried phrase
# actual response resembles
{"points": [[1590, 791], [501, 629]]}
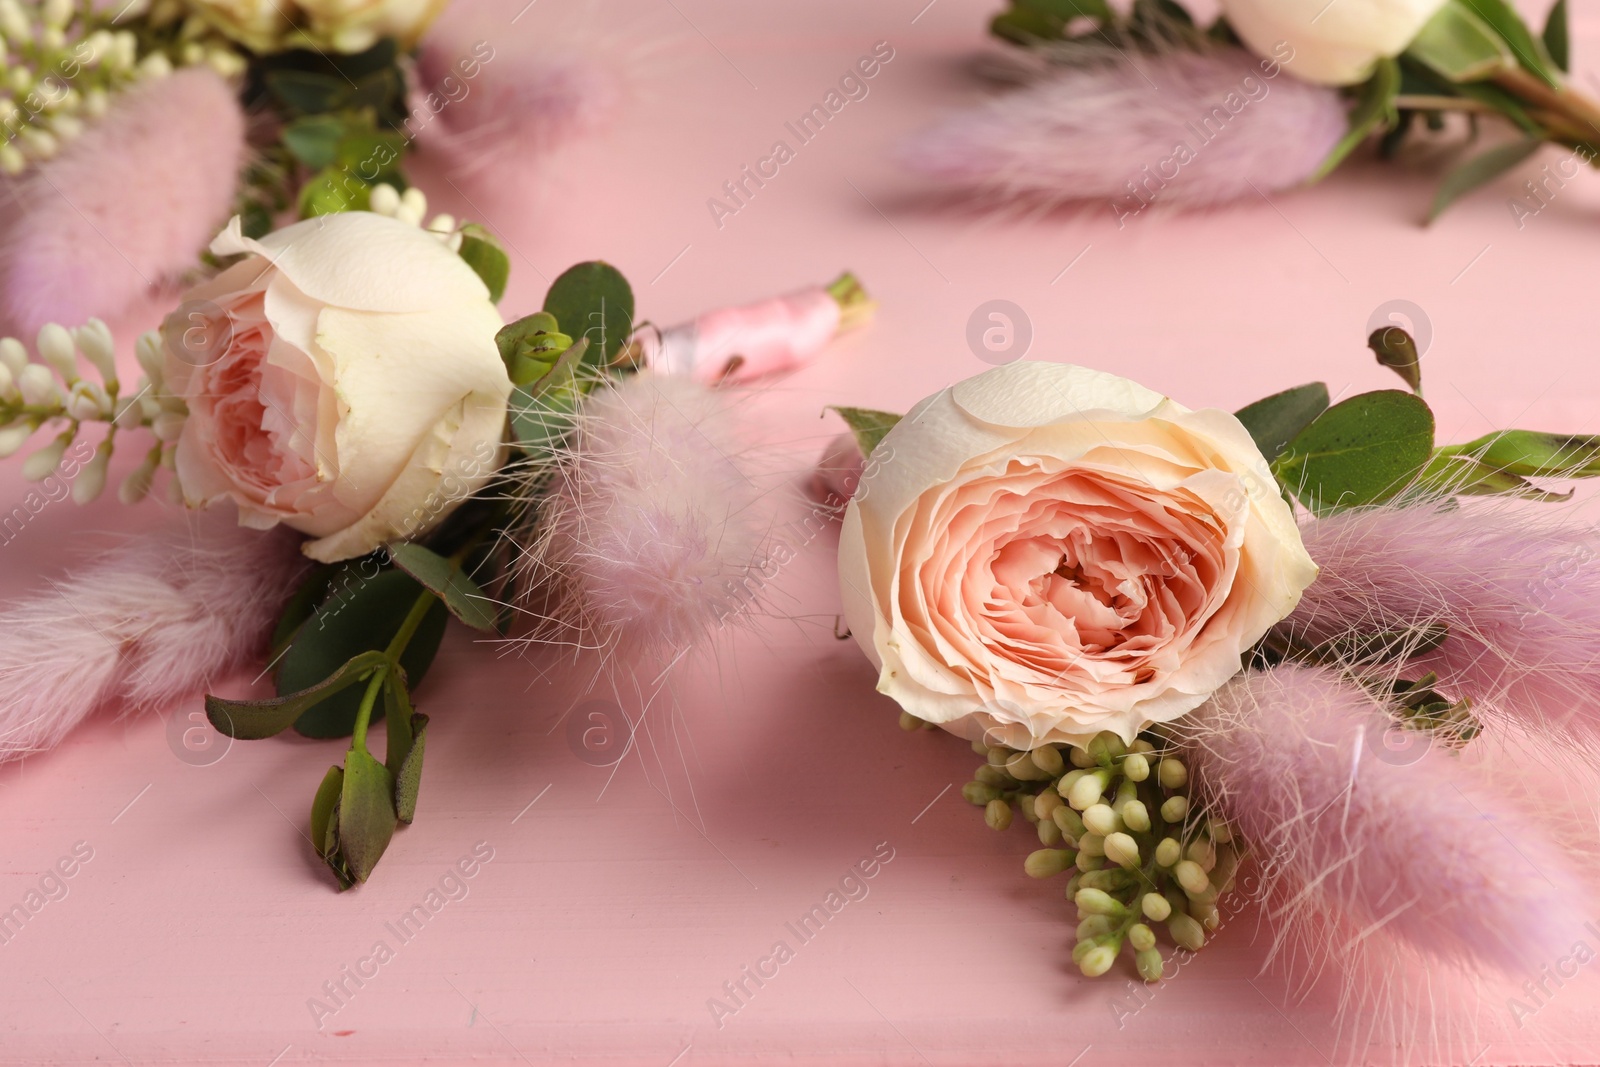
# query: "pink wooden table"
{"points": [[609, 905]]}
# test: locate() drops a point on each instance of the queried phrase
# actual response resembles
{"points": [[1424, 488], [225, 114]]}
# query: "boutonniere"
{"points": [[1209, 657], [1147, 106]]}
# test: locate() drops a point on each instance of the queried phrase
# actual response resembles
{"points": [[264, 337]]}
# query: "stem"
{"points": [[358, 738], [1565, 101], [1426, 102], [408, 628]]}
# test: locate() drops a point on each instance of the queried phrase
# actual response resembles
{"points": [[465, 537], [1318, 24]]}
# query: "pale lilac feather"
{"points": [[1398, 842], [1103, 131], [1518, 592], [127, 205], [142, 625], [654, 532]]}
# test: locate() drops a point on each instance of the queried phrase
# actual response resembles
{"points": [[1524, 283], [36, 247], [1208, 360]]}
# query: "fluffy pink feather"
{"points": [[1404, 842], [128, 204], [144, 624], [1520, 595], [653, 535], [530, 92], [1104, 130]]}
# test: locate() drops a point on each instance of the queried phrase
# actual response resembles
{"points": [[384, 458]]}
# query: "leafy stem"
{"points": [[358, 738]]}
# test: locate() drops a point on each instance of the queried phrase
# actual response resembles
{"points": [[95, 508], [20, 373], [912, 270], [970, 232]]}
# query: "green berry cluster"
{"points": [[1117, 819]]}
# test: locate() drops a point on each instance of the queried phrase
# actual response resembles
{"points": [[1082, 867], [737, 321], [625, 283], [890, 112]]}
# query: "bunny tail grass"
{"points": [[127, 205], [653, 534], [1518, 593], [1180, 127], [147, 623], [1396, 841]]}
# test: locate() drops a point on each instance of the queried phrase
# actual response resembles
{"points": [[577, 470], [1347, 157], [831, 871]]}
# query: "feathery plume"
{"points": [[144, 624], [652, 534], [1181, 127], [1518, 594], [128, 204], [1397, 839]]}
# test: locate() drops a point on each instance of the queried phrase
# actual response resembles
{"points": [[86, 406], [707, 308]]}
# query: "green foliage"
{"points": [[1396, 350], [869, 427], [1557, 40], [593, 301], [1365, 450], [1480, 170], [1374, 110], [445, 580], [487, 257], [1278, 419]]}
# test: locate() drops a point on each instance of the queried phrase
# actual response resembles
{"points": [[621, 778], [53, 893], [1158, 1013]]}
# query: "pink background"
{"points": [[619, 900]]}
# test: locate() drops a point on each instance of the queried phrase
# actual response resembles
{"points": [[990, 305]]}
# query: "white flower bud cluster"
{"points": [[412, 206], [60, 65], [1114, 817], [46, 387]]}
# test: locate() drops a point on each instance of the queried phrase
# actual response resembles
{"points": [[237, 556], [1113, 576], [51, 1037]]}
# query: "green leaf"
{"points": [[314, 139], [301, 605], [1275, 421], [869, 427], [324, 808], [487, 257], [1480, 170], [445, 579], [363, 617], [1530, 454], [1396, 350], [542, 413], [1363, 451], [1067, 10], [366, 813], [306, 92], [1448, 476], [1374, 109], [408, 781], [251, 720], [1557, 41], [593, 300], [531, 347], [1529, 50], [1460, 46], [333, 190], [398, 737]]}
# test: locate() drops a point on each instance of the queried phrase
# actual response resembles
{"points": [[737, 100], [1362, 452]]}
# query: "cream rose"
{"points": [[1334, 43], [343, 380], [1051, 551]]}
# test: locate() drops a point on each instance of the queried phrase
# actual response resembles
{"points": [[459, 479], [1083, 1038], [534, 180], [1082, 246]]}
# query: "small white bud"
{"points": [[66, 127], [1092, 845], [14, 437], [1191, 876], [91, 481], [1088, 789], [1136, 767], [152, 356], [155, 66], [1099, 902], [87, 401], [57, 13], [168, 426], [1122, 850], [1047, 862], [40, 143], [12, 161], [1141, 937], [1135, 816], [95, 102], [39, 388], [56, 348], [442, 224], [413, 206], [1186, 932], [1100, 819], [1048, 759], [384, 200], [13, 355], [13, 23], [8, 381], [1173, 774], [1155, 906], [1168, 851], [1204, 853], [1175, 809], [1097, 961], [95, 342], [43, 463]]}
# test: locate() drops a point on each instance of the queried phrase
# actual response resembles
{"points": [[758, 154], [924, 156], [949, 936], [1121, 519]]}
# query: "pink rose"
{"points": [[343, 380], [1053, 551]]}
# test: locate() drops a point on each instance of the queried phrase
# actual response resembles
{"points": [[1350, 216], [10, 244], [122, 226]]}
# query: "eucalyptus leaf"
{"points": [[314, 139], [1529, 50], [361, 618], [1365, 450], [1396, 350], [869, 427], [332, 190], [594, 301], [1275, 421], [1448, 476], [306, 92], [1375, 108], [301, 605], [408, 781], [251, 720], [487, 257], [1557, 39], [461, 595], [1530, 454], [1480, 170], [1461, 46], [366, 813]]}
